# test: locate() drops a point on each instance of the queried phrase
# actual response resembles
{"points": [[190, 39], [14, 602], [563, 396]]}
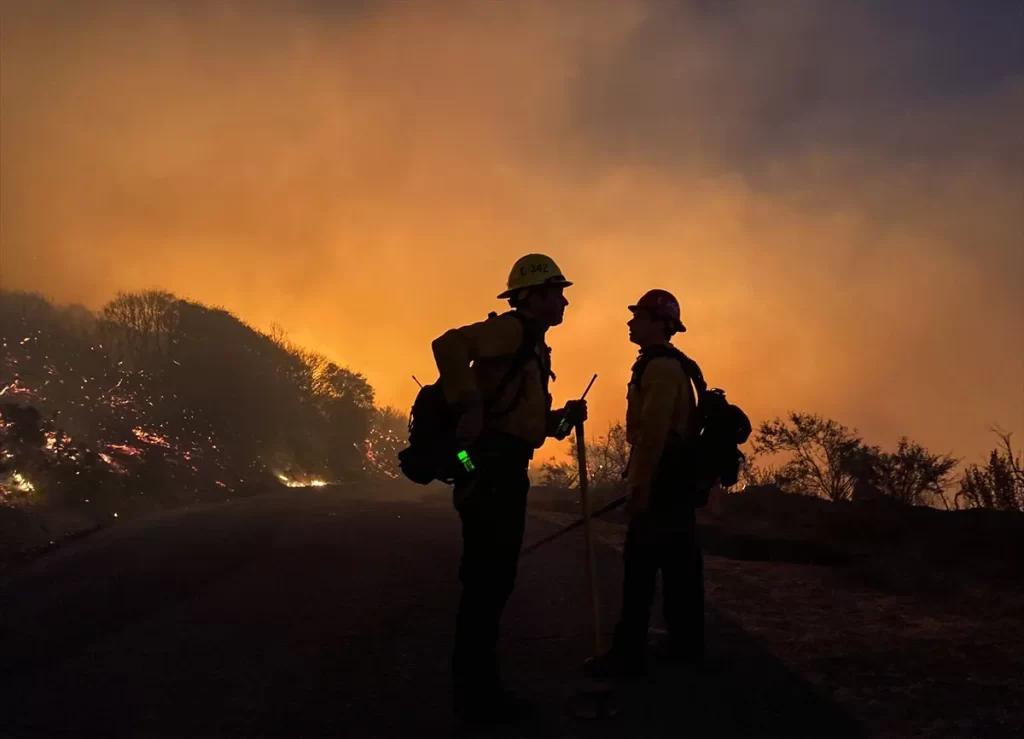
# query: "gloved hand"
{"points": [[575, 412]]}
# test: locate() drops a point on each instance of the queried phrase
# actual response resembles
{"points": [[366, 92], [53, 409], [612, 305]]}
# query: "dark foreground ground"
{"points": [[330, 612], [909, 619]]}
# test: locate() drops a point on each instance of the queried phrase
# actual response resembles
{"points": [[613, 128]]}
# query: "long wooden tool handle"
{"points": [[588, 538], [590, 385], [563, 425]]}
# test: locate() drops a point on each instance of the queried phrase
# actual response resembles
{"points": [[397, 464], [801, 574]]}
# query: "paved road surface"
{"points": [[330, 612]]}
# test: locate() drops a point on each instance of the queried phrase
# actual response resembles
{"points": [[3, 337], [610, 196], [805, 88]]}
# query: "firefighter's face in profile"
{"points": [[548, 304], [645, 330]]}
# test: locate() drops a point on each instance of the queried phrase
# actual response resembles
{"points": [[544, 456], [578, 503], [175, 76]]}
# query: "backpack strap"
{"points": [[523, 356], [691, 368], [693, 371]]}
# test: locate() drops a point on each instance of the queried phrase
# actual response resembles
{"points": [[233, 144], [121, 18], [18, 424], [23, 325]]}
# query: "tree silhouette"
{"points": [[139, 326], [908, 475], [999, 484], [821, 452], [755, 474]]}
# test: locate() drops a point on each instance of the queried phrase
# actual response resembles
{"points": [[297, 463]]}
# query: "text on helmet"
{"points": [[533, 269]]}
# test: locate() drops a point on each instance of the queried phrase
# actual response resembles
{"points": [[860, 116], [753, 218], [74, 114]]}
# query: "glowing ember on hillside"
{"points": [[17, 483], [15, 388], [125, 449], [114, 464], [288, 482], [151, 438]]}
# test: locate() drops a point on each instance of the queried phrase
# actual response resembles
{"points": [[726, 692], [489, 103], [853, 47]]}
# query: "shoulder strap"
{"points": [[691, 368], [646, 357], [524, 354], [693, 371]]}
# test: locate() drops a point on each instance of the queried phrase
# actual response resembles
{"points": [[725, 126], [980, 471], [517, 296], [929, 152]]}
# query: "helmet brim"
{"points": [[553, 282], [679, 327]]}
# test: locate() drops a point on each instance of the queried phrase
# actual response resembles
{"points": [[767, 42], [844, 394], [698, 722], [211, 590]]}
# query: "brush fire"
{"points": [[195, 405]]}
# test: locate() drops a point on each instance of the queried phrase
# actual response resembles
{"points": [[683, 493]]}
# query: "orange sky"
{"points": [[366, 177]]}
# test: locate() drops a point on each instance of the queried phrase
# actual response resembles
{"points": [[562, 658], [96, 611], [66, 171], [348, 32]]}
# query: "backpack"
{"points": [[711, 448], [433, 452]]}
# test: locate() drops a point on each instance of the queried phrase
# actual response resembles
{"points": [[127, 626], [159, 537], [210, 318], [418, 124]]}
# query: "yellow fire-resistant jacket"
{"points": [[490, 346], [664, 400]]}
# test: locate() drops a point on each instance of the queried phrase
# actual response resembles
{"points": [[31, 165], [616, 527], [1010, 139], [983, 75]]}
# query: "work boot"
{"points": [[616, 663]]}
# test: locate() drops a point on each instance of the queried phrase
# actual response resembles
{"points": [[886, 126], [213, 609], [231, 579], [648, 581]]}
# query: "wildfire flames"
{"points": [[130, 425], [15, 388], [151, 438], [20, 484], [287, 482], [381, 447]]}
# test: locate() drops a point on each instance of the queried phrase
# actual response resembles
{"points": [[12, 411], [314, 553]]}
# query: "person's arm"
{"points": [[456, 349], [660, 390]]}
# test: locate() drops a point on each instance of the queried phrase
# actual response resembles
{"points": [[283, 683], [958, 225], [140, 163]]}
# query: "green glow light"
{"points": [[466, 461]]}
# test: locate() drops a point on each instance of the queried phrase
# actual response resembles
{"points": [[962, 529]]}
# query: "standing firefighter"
{"points": [[495, 373], [660, 416]]}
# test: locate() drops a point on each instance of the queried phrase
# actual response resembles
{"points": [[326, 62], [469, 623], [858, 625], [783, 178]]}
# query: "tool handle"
{"points": [[588, 538], [573, 526], [562, 423], [582, 397]]}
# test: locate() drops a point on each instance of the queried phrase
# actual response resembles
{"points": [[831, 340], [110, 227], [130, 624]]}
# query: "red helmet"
{"points": [[660, 304]]}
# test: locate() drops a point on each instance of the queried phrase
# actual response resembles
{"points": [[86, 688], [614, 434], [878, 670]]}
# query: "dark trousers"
{"points": [[492, 506], [669, 544]]}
